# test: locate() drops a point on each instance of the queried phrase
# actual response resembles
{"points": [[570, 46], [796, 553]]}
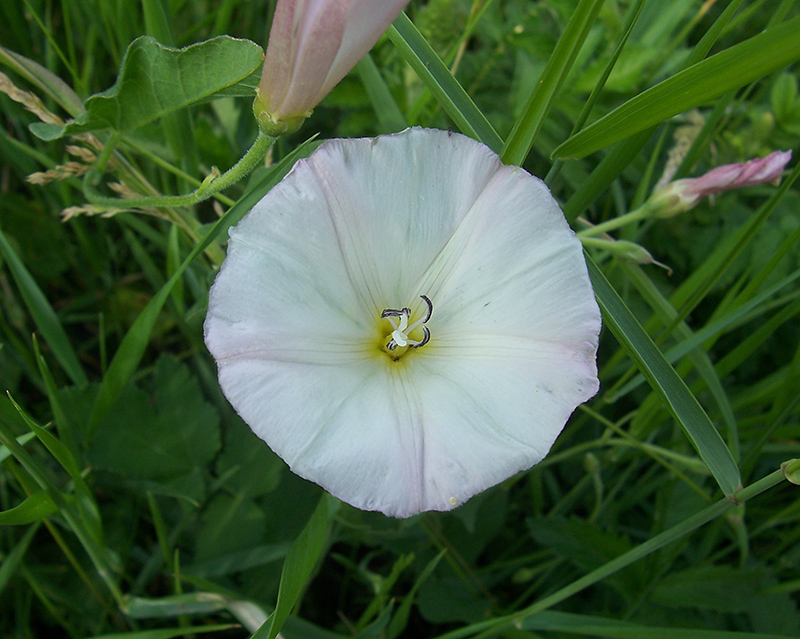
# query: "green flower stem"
{"points": [[210, 186], [596, 242], [609, 225], [155, 159]]}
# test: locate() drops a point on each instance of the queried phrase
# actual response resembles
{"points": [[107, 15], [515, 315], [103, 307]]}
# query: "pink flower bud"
{"points": [[313, 44], [685, 194]]}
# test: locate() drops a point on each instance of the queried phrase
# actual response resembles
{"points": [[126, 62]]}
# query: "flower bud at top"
{"points": [[682, 195], [312, 45]]}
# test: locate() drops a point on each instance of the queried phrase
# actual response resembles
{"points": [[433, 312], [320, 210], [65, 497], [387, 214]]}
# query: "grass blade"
{"points": [[665, 381], [437, 77], [390, 117], [43, 315], [523, 134], [300, 562], [726, 71]]}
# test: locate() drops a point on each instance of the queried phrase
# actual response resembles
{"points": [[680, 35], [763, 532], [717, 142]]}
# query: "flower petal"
{"points": [[396, 201], [319, 26], [366, 22]]}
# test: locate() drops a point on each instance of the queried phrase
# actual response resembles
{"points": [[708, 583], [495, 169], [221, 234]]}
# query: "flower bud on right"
{"points": [[683, 195]]}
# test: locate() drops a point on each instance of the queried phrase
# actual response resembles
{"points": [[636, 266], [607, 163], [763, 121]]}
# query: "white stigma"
{"points": [[398, 336]]}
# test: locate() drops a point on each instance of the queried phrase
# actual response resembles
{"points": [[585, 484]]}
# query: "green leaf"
{"points": [[701, 83], [43, 315], [156, 80], [666, 382], [519, 143], [160, 436], [230, 523], [237, 561], [589, 546], [248, 466], [742, 590], [34, 508], [300, 562]]}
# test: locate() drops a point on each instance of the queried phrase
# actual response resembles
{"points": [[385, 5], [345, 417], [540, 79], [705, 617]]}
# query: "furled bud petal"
{"points": [[313, 44], [683, 195]]}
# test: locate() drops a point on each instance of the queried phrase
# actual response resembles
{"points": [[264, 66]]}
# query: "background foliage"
{"points": [[133, 500]]}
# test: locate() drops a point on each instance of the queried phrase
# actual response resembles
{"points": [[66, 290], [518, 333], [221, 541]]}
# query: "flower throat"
{"points": [[400, 338]]}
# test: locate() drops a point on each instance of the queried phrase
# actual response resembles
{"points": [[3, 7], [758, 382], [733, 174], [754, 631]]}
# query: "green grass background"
{"points": [[135, 503]]}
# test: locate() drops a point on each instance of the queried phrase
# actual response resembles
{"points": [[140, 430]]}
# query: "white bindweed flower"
{"points": [[405, 320]]}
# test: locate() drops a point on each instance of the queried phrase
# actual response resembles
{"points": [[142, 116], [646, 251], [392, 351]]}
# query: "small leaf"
{"points": [[156, 80]]}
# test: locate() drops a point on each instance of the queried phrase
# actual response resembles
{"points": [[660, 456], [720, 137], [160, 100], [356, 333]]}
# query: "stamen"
{"points": [[423, 320], [426, 337], [400, 334]]}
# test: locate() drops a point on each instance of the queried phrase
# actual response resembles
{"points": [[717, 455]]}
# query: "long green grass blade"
{"points": [[519, 143], [713, 330], [626, 150], [635, 12], [299, 564], [671, 388], [726, 71], [437, 77], [390, 117], [13, 559], [699, 357], [168, 633], [36, 507], [43, 315]]}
